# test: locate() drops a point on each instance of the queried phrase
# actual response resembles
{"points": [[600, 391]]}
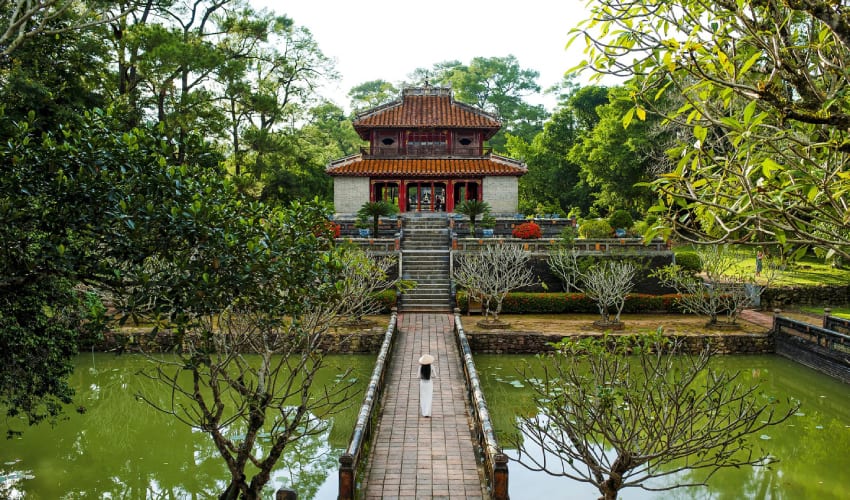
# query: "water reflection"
{"points": [[122, 448], [811, 446]]}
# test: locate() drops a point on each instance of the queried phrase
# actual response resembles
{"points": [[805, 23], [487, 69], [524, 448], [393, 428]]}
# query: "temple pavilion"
{"points": [[426, 153]]}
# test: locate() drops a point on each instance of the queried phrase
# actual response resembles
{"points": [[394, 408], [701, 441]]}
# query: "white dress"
{"points": [[426, 393]]}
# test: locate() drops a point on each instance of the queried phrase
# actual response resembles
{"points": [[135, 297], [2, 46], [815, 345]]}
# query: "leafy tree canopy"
{"points": [[756, 95]]}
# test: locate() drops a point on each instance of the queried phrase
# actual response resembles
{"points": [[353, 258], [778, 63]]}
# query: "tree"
{"points": [[472, 209], [23, 20], [499, 86], [613, 159], [608, 283], [617, 412], [760, 116], [564, 263], [372, 94], [255, 407], [723, 288], [375, 210], [491, 273]]}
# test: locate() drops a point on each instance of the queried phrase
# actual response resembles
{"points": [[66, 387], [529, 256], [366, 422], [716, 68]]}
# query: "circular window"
{"points": [[388, 141], [465, 141]]}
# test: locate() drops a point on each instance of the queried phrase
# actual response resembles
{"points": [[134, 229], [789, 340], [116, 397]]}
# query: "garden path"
{"points": [[414, 456]]}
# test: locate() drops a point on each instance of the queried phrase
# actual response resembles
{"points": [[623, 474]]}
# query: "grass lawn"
{"points": [[841, 312], [808, 271]]}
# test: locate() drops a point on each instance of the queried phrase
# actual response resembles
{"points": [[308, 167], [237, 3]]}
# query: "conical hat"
{"points": [[426, 359]]}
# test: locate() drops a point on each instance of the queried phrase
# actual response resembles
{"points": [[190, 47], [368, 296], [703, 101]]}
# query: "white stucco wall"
{"points": [[350, 193], [501, 193]]}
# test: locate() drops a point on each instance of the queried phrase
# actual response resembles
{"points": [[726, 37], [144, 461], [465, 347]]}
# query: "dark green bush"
{"points": [[689, 261], [561, 303], [621, 219]]}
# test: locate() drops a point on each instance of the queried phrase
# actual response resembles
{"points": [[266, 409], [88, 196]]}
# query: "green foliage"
{"points": [[595, 229], [568, 235], [621, 219], [759, 142], [375, 210], [689, 261], [386, 300], [38, 336], [472, 209], [577, 303], [497, 85]]}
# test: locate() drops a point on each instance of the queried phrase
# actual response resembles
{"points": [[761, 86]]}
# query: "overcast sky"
{"points": [[379, 39]]}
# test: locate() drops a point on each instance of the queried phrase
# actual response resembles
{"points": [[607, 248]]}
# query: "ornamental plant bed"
{"points": [[566, 324]]}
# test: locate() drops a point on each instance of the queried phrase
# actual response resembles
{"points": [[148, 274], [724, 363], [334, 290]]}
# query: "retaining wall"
{"points": [[513, 342]]}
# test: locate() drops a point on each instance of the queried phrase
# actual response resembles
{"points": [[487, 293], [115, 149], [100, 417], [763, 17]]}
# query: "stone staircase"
{"points": [[425, 259]]}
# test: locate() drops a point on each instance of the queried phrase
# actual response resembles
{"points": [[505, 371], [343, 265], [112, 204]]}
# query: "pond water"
{"points": [[122, 448], [813, 446]]}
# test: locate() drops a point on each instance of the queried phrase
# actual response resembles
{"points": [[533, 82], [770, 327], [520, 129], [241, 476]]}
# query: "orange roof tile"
{"points": [[357, 166], [430, 107]]}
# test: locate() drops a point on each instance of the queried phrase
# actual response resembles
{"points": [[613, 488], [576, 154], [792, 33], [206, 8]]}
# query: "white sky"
{"points": [[380, 39]]}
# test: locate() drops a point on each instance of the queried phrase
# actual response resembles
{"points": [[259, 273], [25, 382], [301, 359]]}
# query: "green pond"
{"points": [[813, 446], [122, 448]]}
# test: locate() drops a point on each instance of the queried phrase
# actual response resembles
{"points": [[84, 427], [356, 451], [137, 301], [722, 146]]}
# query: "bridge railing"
{"points": [[834, 323], [822, 337], [495, 462], [350, 461]]}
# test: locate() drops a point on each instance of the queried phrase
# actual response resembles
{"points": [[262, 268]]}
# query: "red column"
{"points": [[402, 196]]}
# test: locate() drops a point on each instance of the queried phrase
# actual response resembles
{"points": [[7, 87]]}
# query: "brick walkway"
{"points": [[418, 457], [757, 317]]}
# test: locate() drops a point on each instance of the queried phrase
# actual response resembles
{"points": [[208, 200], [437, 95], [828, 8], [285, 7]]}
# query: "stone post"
{"points": [[827, 311], [286, 494], [346, 477]]}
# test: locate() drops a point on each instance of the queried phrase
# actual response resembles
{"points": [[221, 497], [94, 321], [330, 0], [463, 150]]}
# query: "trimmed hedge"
{"points": [[561, 303], [689, 261]]}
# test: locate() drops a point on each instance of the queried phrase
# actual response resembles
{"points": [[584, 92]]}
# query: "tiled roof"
{"points": [[357, 166], [426, 108]]}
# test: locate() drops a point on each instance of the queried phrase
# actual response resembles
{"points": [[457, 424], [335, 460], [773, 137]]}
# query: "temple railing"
{"points": [[351, 461], [495, 462]]}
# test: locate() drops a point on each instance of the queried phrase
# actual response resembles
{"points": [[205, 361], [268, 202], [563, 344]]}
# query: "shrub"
{"points": [[386, 299], [568, 235], [621, 219], [578, 303], [595, 228], [527, 231], [640, 228], [689, 261]]}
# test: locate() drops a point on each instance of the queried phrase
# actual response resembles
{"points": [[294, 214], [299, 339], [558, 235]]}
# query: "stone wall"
{"points": [[778, 297], [512, 342], [501, 193], [350, 193]]}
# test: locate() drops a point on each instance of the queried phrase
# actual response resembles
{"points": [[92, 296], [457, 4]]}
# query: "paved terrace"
{"points": [[418, 457]]}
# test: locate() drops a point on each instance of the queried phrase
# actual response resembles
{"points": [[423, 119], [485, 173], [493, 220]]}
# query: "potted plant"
{"points": [[375, 210], [488, 222], [362, 225], [472, 209]]}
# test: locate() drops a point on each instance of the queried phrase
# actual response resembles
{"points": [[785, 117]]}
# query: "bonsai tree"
{"points": [[472, 209], [375, 210]]}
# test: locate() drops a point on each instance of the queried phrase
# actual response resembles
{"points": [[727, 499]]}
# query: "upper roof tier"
{"points": [[426, 107]]}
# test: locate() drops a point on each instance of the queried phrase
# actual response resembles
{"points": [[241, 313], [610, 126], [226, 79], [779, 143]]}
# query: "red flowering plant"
{"points": [[527, 231], [327, 228]]}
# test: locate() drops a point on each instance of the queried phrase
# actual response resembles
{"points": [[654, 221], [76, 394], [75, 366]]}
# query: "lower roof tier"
{"points": [[492, 165]]}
